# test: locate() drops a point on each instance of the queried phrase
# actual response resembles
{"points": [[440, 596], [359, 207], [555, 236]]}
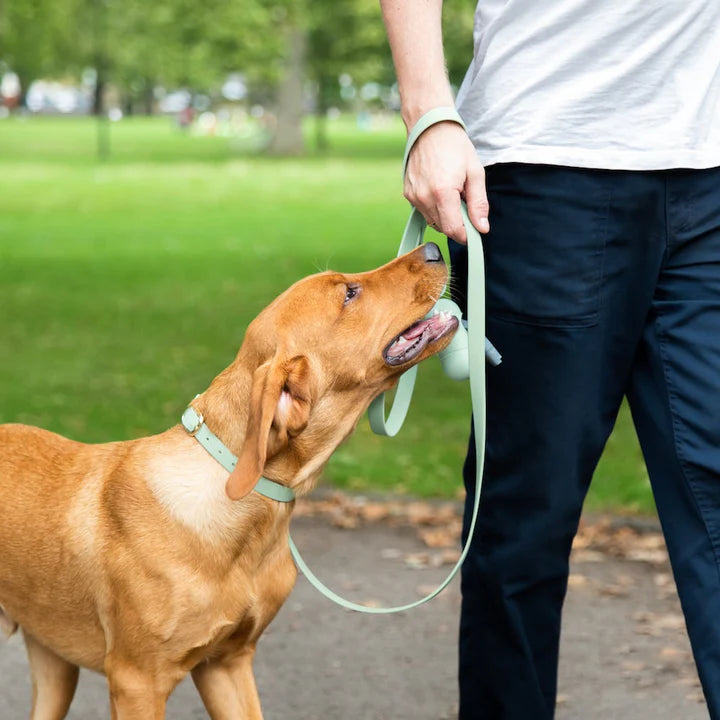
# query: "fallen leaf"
{"points": [[373, 512], [671, 621], [417, 560], [372, 603], [345, 522], [424, 590], [419, 513], [633, 666], [672, 653], [588, 556], [654, 557], [438, 538], [576, 580], [450, 557], [613, 591]]}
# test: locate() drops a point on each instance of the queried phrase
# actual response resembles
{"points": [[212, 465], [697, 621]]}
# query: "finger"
{"points": [[421, 198], [424, 201], [450, 217], [476, 198]]}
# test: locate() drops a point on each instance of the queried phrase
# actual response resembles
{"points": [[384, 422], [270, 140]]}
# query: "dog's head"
{"points": [[323, 350]]}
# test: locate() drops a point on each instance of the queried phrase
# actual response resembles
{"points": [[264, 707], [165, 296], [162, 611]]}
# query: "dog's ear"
{"points": [[282, 394]]}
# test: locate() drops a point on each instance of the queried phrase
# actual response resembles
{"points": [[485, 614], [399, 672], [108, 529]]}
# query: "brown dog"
{"points": [[143, 559]]}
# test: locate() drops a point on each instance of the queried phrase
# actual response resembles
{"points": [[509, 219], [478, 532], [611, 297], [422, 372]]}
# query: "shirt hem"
{"points": [[603, 159]]}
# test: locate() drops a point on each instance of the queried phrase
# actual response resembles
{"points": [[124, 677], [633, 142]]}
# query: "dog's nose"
{"points": [[432, 252]]}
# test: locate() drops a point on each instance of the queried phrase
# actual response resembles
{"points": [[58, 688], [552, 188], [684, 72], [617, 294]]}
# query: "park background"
{"points": [[167, 169]]}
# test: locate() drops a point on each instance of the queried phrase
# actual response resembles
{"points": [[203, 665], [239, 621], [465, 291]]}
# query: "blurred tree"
{"points": [[291, 52], [183, 43], [328, 38], [344, 37], [138, 44], [290, 19], [457, 36], [33, 36]]}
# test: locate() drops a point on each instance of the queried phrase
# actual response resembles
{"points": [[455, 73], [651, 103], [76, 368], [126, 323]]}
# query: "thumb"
{"points": [[476, 197]]}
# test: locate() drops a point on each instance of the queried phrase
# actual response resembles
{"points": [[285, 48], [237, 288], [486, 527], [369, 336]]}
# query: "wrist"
{"points": [[413, 110]]}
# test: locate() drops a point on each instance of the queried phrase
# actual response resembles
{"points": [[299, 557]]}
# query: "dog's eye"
{"points": [[350, 292]]}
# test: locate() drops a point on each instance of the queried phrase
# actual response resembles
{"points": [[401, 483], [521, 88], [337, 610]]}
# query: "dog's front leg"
{"points": [[53, 681], [135, 693], [227, 687]]}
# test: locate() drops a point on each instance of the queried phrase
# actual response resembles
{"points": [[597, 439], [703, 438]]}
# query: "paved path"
{"points": [[624, 654]]}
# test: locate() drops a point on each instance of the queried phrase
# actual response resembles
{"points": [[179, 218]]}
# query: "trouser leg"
{"points": [[675, 400], [571, 265]]}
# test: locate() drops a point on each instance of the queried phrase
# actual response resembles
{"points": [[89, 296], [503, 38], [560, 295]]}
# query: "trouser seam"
{"points": [[681, 459], [603, 256]]}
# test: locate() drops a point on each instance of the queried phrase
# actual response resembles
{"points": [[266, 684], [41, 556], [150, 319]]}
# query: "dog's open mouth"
{"points": [[412, 341]]}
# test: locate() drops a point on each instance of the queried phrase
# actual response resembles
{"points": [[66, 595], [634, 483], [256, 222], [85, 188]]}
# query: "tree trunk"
{"points": [[97, 107], [321, 109], [288, 138], [24, 87], [149, 97]]}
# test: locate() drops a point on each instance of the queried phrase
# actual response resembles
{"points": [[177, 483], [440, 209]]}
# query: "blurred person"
{"points": [[10, 90], [595, 127], [185, 117]]}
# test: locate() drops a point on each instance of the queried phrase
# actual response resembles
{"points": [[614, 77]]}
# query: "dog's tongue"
{"points": [[414, 340], [401, 346], [415, 330], [408, 339]]}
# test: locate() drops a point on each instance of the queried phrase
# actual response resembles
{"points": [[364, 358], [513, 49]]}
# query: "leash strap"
{"points": [[412, 237], [194, 423]]}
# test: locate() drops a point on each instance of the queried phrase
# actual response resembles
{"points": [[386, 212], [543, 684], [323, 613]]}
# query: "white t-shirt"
{"points": [[615, 84]]}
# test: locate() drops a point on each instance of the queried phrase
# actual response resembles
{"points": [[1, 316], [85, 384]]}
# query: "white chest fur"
{"points": [[191, 487]]}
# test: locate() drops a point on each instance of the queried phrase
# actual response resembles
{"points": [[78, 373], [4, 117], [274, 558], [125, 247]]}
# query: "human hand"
{"points": [[442, 169]]}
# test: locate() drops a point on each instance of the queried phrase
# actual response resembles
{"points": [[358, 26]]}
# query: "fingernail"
{"points": [[484, 225]]}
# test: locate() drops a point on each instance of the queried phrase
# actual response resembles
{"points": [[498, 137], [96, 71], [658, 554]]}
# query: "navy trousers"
{"points": [[600, 285]]}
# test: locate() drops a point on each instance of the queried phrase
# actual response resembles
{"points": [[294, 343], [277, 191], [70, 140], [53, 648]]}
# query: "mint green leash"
{"points": [[454, 361], [465, 356]]}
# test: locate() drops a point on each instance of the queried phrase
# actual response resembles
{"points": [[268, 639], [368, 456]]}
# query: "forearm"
{"points": [[414, 29]]}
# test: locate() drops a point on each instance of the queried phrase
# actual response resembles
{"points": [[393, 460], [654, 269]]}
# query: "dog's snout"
{"points": [[432, 252]]}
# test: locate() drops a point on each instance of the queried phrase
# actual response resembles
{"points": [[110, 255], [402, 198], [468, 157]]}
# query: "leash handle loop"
{"points": [[430, 118], [412, 238]]}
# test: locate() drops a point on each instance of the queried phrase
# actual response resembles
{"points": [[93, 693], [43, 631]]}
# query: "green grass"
{"points": [[126, 285]]}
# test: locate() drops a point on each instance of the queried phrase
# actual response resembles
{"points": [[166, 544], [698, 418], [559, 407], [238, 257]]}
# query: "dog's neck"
{"points": [[191, 485], [225, 405]]}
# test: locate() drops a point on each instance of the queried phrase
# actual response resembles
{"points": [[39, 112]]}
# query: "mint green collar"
{"points": [[194, 423]]}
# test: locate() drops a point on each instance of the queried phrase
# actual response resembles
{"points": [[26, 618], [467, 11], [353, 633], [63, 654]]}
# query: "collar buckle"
{"points": [[192, 421]]}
